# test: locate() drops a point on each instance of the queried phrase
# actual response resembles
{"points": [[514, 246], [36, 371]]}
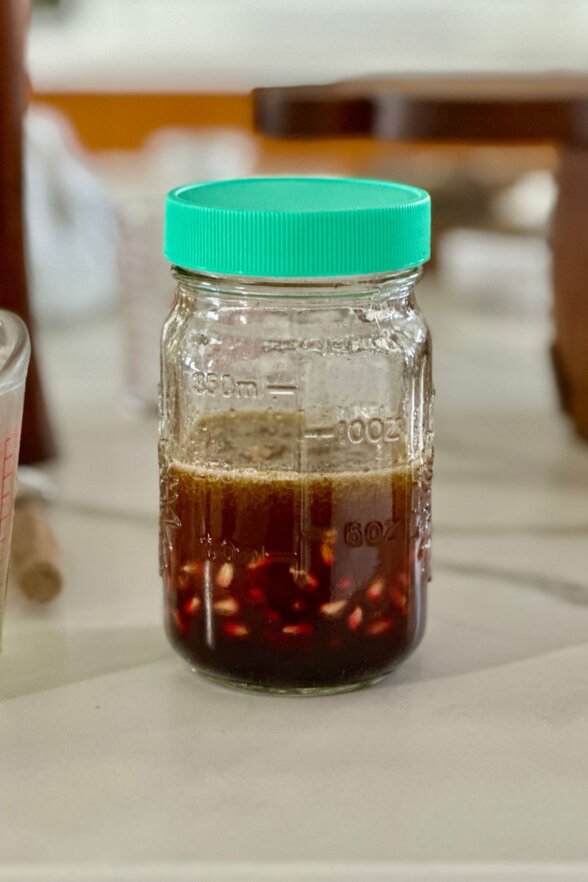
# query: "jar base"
{"points": [[305, 691]]}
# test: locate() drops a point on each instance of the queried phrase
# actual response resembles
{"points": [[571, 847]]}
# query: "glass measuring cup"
{"points": [[15, 349]]}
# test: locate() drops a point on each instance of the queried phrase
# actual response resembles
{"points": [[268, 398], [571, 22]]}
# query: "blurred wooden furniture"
{"points": [[475, 109], [37, 442]]}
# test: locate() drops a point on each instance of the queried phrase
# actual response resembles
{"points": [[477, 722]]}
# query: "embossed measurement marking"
{"points": [[320, 434], [228, 551], [224, 385], [281, 390], [373, 533], [228, 386], [372, 430]]}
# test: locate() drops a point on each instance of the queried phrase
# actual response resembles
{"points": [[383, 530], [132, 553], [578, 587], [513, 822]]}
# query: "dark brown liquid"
{"points": [[294, 582]]}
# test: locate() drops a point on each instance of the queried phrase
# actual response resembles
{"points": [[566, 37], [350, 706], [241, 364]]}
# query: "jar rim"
{"points": [[396, 283]]}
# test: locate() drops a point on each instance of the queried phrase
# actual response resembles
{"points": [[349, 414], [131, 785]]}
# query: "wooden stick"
{"points": [[35, 557]]}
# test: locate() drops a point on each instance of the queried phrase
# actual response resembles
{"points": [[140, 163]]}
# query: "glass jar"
{"points": [[295, 431]]}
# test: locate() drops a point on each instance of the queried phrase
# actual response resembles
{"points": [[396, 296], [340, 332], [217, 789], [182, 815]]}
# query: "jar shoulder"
{"points": [[334, 330], [400, 327]]}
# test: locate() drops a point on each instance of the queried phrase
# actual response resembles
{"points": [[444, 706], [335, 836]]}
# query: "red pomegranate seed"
{"points": [[327, 554], [192, 606], [333, 609], [256, 596], [375, 589], [226, 607], [298, 606], [398, 597], [224, 577], [235, 629], [258, 560], [355, 619], [192, 568], [303, 629], [272, 616], [304, 579], [374, 629], [179, 622]]}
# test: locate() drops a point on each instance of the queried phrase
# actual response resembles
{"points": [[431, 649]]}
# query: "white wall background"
{"points": [[234, 45]]}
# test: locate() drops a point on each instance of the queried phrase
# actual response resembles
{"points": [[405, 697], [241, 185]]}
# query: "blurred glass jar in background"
{"points": [[296, 431], [146, 287], [71, 228]]}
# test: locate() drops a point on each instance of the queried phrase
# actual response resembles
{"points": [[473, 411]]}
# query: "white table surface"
{"points": [[471, 762]]}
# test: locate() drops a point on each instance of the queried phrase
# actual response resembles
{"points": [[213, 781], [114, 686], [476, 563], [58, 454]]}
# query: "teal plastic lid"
{"points": [[297, 227]]}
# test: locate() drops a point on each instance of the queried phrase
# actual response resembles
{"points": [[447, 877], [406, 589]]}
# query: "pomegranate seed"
{"points": [[375, 590], [258, 560], [331, 610], [226, 607], [183, 583], [398, 597], [256, 596], [374, 629], [304, 579], [192, 606], [272, 616], [355, 619], [235, 629], [192, 568], [298, 606], [179, 621], [303, 629], [327, 554], [224, 577]]}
